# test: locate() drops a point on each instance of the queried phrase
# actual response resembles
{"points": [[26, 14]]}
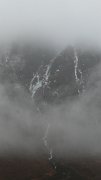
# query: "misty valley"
{"points": [[50, 90], [50, 125]]}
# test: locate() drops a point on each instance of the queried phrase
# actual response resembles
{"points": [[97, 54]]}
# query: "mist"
{"points": [[60, 22], [50, 89], [73, 128], [76, 125], [19, 124]]}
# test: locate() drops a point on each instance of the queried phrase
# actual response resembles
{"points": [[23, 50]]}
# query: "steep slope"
{"points": [[50, 79], [18, 62], [64, 76]]}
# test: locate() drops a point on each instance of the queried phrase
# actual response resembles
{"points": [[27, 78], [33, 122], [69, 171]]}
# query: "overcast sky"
{"points": [[62, 21]]}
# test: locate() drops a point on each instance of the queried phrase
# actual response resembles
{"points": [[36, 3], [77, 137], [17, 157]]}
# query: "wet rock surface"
{"points": [[41, 169]]}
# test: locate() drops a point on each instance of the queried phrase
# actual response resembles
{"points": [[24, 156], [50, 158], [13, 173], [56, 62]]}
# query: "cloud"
{"points": [[60, 21], [71, 129], [20, 125], [76, 126]]}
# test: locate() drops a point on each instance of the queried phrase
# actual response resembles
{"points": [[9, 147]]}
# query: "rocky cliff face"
{"points": [[65, 76], [19, 62], [50, 77]]}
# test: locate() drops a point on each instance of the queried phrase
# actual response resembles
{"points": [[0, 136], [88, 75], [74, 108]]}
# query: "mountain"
{"points": [[18, 62], [49, 78], [65, 76]]}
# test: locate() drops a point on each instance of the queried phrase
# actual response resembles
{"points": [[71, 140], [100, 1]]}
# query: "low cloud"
{"points": [[70, 129], [59, 22]]}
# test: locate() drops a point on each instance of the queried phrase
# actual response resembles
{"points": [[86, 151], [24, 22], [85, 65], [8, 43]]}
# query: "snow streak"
{"points": [[38, 84], [76, 66], [79, 79], [40, 81], [50, 151]]}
